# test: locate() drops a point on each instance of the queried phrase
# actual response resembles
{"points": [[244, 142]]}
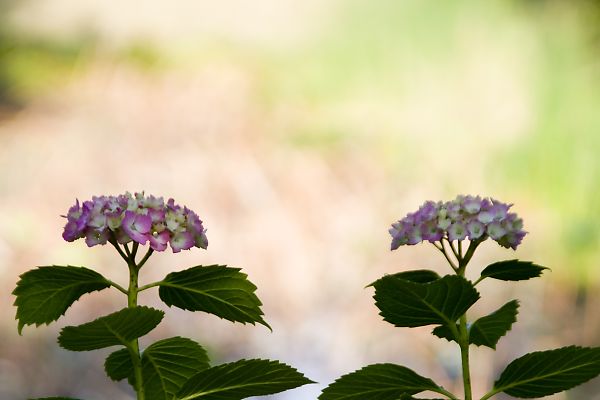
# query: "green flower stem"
{"points": [[118, 287], [126, 247], [134, 250], [145, 258], [463, 333], [470, 251], [446, 393], [113, 241], [454, 249], [478, 280], [443, 250], [463, 341], [132, 295], [150, 285], [490, 394]]}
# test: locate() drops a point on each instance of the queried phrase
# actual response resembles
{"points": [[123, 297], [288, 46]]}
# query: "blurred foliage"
{"points": [[33, 66], [142, 54], [5, 98], [373, 51], [557, 162], [369, 56]]}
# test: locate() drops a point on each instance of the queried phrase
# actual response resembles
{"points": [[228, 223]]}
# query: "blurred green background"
{"points": [[299, 131]]}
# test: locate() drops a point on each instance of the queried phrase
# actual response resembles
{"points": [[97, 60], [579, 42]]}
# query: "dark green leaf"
{"points": [[216, 289], [118, 328], [486, 331], [409, 397], [444, 332], [378, 382], [410, 304], [54, 398], [45, 293], [512, 270], [543, 373], [118, 365], [241, 379], [417, 276], [168, 364]]}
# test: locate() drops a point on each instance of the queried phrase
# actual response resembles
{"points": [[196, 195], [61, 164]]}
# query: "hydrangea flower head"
{"points": [[135, 218], [466, 217]]}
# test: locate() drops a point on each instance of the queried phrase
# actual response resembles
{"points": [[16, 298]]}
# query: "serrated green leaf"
{"points": [[378, 382], [411, 304], [54, 398], [544, 373], [216, 289], [444, 332], [241, 379], [117, 328], [417, 276], [168, 364], [45, 293], [512, 270], [118, 365], [409, 397], [486, 331]]}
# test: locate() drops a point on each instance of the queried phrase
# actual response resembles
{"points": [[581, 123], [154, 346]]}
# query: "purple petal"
{"points": [[457, 231], [472, 204], [128, 219], [142, 223], [137, 226], [201, 240], [495, 230], [414, 236], [96, 236], [97, 221], [71, 231], [182, 241], [122, 236], [476, 229], [159, 241], [113, 220], [156, 215], [75, 211], [431, 232], [485, 217]]}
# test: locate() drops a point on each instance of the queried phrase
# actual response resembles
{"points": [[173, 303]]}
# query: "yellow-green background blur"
{"points": [[299, 131]]}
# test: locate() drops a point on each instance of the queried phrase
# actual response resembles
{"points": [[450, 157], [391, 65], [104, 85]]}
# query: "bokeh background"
{"points": [[298, 131]]}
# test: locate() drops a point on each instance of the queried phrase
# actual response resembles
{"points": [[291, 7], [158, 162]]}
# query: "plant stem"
{"points": [[118, 287], [115, 244], [126, 247], [443, 250], [145, 258], [446, 393], [490, 394], [148, 286], [463, 333], [133, 347], [464, 356]]}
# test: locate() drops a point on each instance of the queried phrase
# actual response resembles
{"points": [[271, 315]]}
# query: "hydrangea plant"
{"points": [[174, 368], [422, 298]]}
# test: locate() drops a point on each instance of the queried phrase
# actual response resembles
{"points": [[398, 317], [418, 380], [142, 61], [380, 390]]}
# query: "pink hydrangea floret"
{"points": [[466, 217], [135, 218]]}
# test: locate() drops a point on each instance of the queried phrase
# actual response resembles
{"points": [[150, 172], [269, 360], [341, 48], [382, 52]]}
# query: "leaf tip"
{"points": [[265, 323]]}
